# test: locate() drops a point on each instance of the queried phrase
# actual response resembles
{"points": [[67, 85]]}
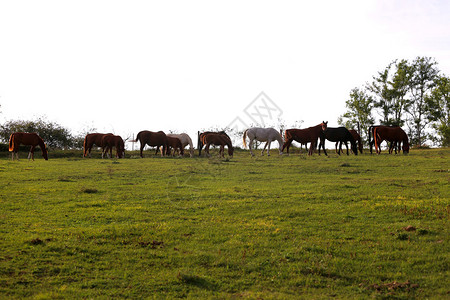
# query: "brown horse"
{"points": [[200, 143], [93, 139], [307, 135], [175, 143], [394, 135], [28, 139], [218, 140], [153, 139], [110, 141]]}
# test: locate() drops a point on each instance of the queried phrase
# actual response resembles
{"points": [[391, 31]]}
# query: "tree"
{"points": [[382, 94], [438, 109], [54, 135], [399, 91], [359, 111], [422, 81]]}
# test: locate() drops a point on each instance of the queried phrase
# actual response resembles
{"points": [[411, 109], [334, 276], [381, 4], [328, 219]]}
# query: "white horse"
{"points": [[185, 140], [267, 135]]}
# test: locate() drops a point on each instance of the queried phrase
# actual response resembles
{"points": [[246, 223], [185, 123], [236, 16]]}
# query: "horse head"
{"points": [[405, 147], [324, 125]]}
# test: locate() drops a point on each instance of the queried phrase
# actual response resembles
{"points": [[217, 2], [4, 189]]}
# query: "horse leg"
{"points": [[262, 152], [142, 148], [207, 150], [286, 145], [31, 154], [250, 147], [268, 147], [346, 146], [336, 146]]}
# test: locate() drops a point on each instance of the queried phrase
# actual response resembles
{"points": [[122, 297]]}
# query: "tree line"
{"points": [[411, 94]]}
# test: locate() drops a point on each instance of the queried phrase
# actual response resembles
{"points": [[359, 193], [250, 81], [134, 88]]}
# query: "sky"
{"points": [[184, 66]]}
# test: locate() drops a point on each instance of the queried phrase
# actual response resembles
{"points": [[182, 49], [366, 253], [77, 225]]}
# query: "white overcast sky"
{"points": [[126, 66]]}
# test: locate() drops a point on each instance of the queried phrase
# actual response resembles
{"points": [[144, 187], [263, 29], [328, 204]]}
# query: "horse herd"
{"points": [[170, 144]]}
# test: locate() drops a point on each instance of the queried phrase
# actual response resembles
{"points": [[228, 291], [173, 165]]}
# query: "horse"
{"points": [[200, 143], [307, 135], [185, 140], [263, 135], [339, 134], [92, 139], [28, 139], [176, 144], [153, 139], [109, 141], [357, 138], [218, 140], [394, 135], [371, 135]]}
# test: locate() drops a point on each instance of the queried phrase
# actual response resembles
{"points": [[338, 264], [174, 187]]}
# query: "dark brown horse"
{"points": [[110, 141], [153, 139], [93, 139], [338, 134], [218, 140], [394, 135], [175, 144], [200, 143], [357, 138], [303, 136], [27, 139]]}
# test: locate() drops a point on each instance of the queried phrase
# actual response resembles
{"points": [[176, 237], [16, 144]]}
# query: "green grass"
{"points": [[264, 227]]}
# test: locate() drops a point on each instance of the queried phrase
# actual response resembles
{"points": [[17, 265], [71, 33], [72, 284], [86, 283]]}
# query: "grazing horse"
{"points": [[28, 139], [371, 135], [218, 140], [200, 143], [176, 144], [109, 141], [394, 135], [153, 139], [357, 138], [339, 134], [93, 139], [185, 140], [267, 135], [307, 135]]}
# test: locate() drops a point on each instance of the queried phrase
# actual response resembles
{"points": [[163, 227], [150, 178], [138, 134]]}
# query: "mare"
{"points": [[339, 134], [218, 140], [262, 135], [307, 135], [153, 139], [27, 139], [200, 143], [93, 139], [109, 141], [176, 144], [185, 140], [357, 138], [394, 135]]}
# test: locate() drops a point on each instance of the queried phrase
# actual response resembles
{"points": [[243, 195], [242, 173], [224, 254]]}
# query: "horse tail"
{"points": [[375, 134], [137, 138], [244, 137], [11, 143]]}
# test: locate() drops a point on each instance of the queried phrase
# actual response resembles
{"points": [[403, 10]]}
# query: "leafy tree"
{"points": [[438, 109], [54, 135], [359, 111], [399, 91], [422, 81], [382, 94]]}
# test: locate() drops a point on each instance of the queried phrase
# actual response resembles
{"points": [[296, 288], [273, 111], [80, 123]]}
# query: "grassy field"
{"points": [[264, 227]]}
